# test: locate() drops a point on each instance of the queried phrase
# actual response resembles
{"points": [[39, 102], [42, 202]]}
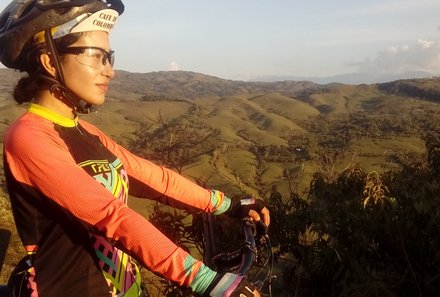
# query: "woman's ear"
{"points": [[46, 62]]}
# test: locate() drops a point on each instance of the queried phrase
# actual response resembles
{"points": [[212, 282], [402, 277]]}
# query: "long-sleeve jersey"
{"points": [[68, 184]]}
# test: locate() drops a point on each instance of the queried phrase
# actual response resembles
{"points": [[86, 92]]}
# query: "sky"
{"points": [[251, 39]]}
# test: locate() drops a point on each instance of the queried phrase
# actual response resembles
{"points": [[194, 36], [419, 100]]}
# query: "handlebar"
{"points": [[254, 252], [241, 260]]}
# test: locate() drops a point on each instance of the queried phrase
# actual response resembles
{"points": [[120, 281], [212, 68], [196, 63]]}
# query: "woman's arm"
{"points": [[148, 180]]}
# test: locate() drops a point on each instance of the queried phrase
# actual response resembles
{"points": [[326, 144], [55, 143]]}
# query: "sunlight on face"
{"points": [[87, 76]]}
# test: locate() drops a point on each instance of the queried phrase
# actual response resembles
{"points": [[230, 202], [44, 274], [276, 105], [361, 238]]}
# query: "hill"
{"points": [[264, 133], [303, 115], [419, 88], [190, 85]]}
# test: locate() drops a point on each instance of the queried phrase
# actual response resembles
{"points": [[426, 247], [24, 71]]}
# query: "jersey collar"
{"points": [[52, 116]]}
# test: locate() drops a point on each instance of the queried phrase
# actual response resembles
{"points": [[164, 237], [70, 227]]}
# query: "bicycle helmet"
{"points": [[21, 20], [25, 22]]}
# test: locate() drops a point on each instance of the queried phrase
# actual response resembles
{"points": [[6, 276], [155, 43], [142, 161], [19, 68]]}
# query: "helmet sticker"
{"points": [[103, 20]]}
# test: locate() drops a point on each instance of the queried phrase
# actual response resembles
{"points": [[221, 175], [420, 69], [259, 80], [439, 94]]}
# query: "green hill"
{"points": [[250, 114], [269, 133]]}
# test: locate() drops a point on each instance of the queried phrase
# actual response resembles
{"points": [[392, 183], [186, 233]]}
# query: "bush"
{"points": [[367, 234]]}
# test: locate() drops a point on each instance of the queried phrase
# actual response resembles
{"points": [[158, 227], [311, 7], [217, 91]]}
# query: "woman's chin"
{"points": [[97, 101]]}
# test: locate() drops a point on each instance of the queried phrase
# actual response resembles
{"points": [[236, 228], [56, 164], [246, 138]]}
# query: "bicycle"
{"points": [[254, 259]]}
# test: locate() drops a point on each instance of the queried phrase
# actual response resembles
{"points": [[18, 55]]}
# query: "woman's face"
{"points": [[83, 67]]}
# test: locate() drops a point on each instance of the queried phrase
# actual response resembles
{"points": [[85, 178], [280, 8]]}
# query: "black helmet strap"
{"points": [[59, 85], [53, 50]]}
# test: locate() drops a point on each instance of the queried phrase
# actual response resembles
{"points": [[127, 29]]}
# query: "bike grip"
{"points": [[261, 228]]}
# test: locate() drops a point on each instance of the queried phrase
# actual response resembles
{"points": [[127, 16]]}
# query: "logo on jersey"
{"points": [[111, 175]]}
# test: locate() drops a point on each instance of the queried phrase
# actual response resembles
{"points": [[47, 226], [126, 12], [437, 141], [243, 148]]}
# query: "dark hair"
{"points": [[27, 86]]}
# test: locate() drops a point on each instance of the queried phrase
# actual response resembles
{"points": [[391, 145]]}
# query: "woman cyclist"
{"points": [[68, 182]]}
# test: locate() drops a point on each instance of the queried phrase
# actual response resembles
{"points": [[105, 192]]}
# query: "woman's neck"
{"points": [[47, 99]]}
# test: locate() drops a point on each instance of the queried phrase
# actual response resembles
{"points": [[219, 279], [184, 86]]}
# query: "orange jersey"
{"points": [[69, 184]]}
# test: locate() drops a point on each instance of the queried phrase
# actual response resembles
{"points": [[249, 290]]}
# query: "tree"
{"points": [[367, 234], [175, 143]]}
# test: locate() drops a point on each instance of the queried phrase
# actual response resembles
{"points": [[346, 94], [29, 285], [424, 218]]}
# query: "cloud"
{"points": [[174, 66], [423, 55]]}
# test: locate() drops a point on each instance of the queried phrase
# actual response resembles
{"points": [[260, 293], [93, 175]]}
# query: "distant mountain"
{"points": [[367, 120], [185, 85], [190, 85], [427, 89], [350, 78]]}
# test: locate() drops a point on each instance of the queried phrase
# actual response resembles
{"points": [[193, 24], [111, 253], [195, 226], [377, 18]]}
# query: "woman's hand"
{"points": [[264, 212], [256, 293], [252, 208]]}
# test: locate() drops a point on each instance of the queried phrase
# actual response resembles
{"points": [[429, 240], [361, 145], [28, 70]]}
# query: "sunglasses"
{"points": [[95, 57]]}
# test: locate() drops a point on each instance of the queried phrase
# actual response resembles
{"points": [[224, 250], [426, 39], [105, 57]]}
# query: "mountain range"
{"points": [[294, 122], [356, 78]]}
